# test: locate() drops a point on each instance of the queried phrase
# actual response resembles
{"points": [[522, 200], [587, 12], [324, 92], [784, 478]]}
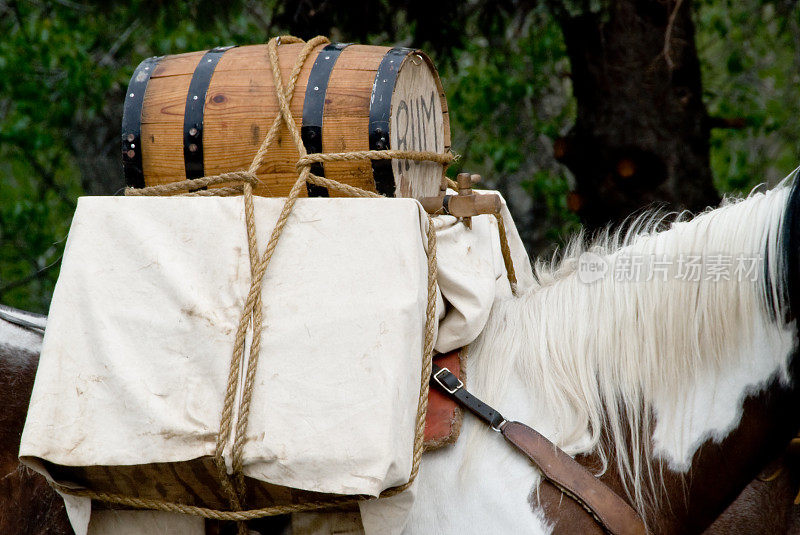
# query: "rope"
{"points": [[321, 157], [345, 188], [188, 185], [231, 191], [511, 273], [234, 486]]}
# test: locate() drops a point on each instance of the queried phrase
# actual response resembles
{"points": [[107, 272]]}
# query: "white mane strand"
{"points": [[614, 353]]}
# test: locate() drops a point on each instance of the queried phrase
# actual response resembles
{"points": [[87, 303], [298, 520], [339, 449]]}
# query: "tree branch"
{"points": [[668, 35], [74, 5], [47, 176], [109, 56], [26, 280], [734, 123]]}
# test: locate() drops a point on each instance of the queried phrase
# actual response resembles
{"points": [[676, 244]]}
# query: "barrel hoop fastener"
{"points": [[314, 109], [380, 111], [195, 107], [132, 123]]}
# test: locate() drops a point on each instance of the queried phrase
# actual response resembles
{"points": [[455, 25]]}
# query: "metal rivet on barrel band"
{"points": [[195, 107], [314, 108], [132, 123], [380, 110]]}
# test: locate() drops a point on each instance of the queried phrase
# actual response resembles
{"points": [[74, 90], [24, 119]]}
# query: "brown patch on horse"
{"points": [[563, 513], [765, 507], [29, 506], [720, 471]]}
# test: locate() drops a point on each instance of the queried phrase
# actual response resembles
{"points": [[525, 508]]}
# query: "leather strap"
{"points": [[454, 388], [608, 509], [605, 505]]}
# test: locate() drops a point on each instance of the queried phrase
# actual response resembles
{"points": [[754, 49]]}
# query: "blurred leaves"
{"points": [[65, 64], [64, 67], [509, 99], [750, 53]]}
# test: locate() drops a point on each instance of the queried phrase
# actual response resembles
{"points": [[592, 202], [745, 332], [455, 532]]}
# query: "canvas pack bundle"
{"points": [[129, 394]]}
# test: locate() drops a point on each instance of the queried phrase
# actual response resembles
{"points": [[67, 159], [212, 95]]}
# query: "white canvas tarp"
{"points": [[136, 353], [138, 343]]}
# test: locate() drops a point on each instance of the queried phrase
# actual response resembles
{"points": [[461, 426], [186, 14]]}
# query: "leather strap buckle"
{"points": [[448, 378], [499, 427]]}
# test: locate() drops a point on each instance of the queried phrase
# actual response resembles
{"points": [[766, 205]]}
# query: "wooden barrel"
{"points": [[205, 113]]}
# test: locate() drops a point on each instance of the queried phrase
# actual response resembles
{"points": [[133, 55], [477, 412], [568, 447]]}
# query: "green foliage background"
{"points": [[750, 53], [64, 67]]}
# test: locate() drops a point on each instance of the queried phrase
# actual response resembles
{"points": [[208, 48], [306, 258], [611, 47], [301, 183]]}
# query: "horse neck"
{"points": [[656, 368]]}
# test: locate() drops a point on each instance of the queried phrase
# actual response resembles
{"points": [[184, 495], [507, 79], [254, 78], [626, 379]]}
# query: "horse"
{"points": [[675, 391]]}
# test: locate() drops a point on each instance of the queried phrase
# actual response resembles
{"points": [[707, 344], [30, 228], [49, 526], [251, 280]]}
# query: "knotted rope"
{"points": [[252, 314]]}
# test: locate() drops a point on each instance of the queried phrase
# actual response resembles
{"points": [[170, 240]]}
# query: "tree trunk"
{"points": [[642, 131]]}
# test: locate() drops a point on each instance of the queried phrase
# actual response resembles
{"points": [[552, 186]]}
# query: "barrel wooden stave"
{"points": [[347, 111]]}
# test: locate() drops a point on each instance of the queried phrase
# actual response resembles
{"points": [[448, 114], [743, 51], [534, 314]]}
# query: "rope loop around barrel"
{"points": [[187, 186], [420, 156], [243, 182]]}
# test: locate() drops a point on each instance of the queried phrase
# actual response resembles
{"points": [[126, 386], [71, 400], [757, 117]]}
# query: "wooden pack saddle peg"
{"points": [[464, 205]]}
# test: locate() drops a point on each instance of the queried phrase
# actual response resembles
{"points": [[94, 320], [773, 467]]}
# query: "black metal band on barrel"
{"points": [[193, 116], [380, 110], [446, 204], [314, 109], [132, 123]]}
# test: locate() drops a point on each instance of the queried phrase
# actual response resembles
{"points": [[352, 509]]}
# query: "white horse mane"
{"points": [[612, 354]]}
